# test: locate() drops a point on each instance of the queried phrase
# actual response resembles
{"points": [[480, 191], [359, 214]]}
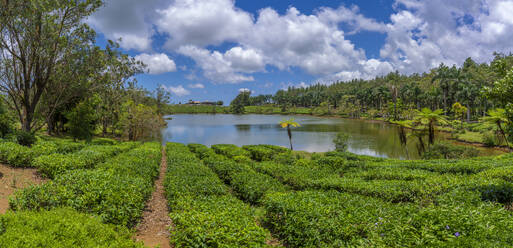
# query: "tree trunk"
{"points": [[289, 132], [468, 113]]}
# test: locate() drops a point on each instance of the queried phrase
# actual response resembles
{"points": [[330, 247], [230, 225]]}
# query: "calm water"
{"points": [[315, 134]]}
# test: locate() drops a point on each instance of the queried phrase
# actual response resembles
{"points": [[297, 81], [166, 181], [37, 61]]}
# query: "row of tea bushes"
{"points": [[249, 185], [264, 152], [116, 190], [55, 164], [333, 219], [60, 228], [17, 155], [203, 211], [230, 150]]}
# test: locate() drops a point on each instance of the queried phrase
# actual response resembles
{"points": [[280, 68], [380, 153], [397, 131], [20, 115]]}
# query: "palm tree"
{"points": [[446, 76], [497, 117], [287, 124], [429, 119]]}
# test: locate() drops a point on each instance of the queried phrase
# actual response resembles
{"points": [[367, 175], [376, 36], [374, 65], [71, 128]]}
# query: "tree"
{"points": [[36, 38], [340, 142], [428, 119], [140, 121], [238, 104], [162, 98], [82, 119], [445, 77], [498, 117], [459, 112], [287, 124], [502, 93]]}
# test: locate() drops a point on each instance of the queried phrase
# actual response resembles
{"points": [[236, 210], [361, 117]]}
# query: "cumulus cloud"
{"points": [[157, 63], [130, 20], [178, 90], [425, 34], [216, 66], [202, 22], [196, 86], [420, 34]]}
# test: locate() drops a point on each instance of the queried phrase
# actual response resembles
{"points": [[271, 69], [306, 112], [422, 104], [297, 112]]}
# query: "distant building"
{"points": [[192, 102]]}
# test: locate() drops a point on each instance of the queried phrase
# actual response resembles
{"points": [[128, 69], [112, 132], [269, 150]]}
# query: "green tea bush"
{"points": [[248, 184], [60, 228], [202, 209], [104, 141], [264, 152], [332, 219], [56, 164], [116, 191], [230, 150], [21, 156]]}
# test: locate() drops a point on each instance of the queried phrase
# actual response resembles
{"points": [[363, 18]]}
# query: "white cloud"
{"points": [[215, 65], [178, 90], [130, 20], [157, 63], [202, 22], [196, 86], [244, 90], [419, 35], [427, 33]]}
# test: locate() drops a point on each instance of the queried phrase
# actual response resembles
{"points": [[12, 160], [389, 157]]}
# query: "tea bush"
{"points": [[202, 209], [116, 191], [56, 164], [264, 152], [332, 219], [60, 228], [230, 150]]}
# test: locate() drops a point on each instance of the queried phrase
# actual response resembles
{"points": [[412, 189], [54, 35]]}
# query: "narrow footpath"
{"points": [[154, 227]]}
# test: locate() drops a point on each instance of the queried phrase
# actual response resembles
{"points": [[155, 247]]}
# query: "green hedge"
{"points": [[248, 184], [21, 156], [230, 150], [332, 219], [264, 152], [116, 191], [56, 164], [202, 209], [60, 228]]}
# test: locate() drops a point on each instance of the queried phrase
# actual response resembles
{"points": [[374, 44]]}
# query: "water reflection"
{"points": [[315, 134]]}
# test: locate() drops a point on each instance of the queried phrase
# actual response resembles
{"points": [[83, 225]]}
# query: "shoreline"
{"points": [[452, 139]]}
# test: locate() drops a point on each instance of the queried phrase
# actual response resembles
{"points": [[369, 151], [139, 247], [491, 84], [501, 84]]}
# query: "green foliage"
{"points": [[203, 211], [230, 150], [6, 123], [340, 142], [116, 191], [443, 150], [332, 219], [264, 152], [237, 105], [82, 120], [60, 228], [25, 138], [55, 164]]}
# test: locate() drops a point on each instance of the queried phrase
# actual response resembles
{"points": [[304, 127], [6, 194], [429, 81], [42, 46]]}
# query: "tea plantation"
{"points": [[256, 196]]}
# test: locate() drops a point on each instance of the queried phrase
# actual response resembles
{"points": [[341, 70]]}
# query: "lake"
{"points": [[372, 138]]}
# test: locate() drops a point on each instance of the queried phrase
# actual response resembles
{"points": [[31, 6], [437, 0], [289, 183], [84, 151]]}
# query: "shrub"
{"points": [[203, 211], [116, 191], [25, 138], [340, 142], [230, 150], [60, 228], [449, 151], [264, 152]]}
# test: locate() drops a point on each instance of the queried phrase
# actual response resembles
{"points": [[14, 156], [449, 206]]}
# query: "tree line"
{"points": [[468, 93], [53, 74]]}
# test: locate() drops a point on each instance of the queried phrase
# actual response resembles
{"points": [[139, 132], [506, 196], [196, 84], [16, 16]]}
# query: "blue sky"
{"points": [[211, 49]]}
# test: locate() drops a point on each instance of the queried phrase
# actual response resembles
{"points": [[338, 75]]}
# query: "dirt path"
{"points": [[154, 228], [12, 179]]}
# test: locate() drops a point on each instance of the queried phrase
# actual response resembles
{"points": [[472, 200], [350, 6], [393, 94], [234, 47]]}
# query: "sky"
{"points": [[212, 49]]}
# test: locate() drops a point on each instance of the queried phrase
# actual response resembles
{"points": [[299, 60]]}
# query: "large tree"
{"points": [[37, 40]]}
